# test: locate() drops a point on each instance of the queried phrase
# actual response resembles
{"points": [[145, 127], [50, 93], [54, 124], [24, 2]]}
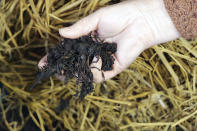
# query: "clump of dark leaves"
{"points": [[72, 58]]}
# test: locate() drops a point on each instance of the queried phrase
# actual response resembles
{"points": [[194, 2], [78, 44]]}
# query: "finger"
{"points": [[117, 68], [99, 75], [82, 27], [96, 70], [43, 62]]}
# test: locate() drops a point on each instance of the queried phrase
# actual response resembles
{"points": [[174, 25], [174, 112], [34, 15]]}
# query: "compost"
{"points": [[71, 58], [156, 92]]}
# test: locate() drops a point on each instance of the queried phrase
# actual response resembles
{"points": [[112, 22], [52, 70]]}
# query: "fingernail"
{"points": [[42, 65], [43, 62], [64, 31], [61, 31], [95, 59]]}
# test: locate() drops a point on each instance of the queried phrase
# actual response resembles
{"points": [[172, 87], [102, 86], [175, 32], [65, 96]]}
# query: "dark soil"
{"points": [[114, 1], [72, 58]]}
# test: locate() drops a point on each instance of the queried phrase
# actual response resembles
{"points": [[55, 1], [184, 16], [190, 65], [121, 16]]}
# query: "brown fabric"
{"points": [[184, 15]]}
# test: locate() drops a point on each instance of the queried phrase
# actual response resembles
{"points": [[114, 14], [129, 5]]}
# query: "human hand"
{"points": [[134, 25]]}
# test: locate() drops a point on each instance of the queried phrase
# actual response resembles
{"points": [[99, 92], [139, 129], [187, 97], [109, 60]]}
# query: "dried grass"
{"points": [[157, 92]]}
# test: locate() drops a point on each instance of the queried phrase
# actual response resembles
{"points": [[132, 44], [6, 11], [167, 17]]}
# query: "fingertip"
{"points": [[61, 31], [43, 62], [66, 32], [81, 28]]}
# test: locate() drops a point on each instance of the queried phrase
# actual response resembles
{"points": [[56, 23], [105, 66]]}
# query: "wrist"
{"points": [[165, 29], [158, 21]]}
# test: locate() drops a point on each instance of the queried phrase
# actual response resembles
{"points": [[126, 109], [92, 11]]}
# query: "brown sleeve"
{"points": [[184, 15]]}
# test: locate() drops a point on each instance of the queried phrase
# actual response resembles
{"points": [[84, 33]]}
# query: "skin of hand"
{"points": [[134, 25]]}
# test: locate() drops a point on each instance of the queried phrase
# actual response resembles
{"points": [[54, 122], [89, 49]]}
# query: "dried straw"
{"points": [[157, 92]]}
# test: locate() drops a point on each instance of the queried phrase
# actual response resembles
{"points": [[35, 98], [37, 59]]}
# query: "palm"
{"points": [[129, 34]]}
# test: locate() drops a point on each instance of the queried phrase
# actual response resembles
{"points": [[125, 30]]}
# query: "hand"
{"points": [[134, 25]]}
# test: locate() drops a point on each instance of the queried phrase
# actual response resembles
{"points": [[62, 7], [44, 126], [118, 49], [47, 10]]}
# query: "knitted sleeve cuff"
{"points": [[184, 16]]}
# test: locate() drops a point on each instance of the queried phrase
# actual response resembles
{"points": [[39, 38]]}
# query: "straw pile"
{"points": [[157, 92]]}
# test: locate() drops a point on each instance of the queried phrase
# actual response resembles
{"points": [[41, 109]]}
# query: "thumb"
{"points": [[82, 27]]}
